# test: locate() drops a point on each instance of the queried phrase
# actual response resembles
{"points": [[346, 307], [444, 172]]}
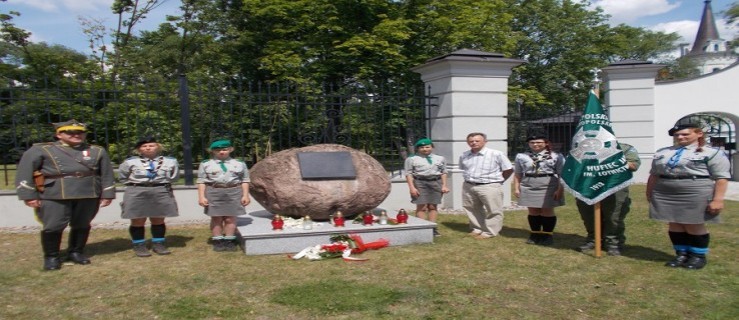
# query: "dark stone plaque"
{"points": [[326, 165]]}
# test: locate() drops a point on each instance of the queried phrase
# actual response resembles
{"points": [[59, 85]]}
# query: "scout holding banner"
{"points": [[596, 167]]}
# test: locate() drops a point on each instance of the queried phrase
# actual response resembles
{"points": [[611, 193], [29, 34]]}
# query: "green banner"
{"points": [[596, 167]]}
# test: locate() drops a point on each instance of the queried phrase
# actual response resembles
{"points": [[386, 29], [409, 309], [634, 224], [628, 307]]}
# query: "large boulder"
{"points": [[277, 184]]}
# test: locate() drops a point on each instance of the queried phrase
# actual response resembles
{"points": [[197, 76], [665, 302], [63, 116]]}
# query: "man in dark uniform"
{"points": [[613, 212], [66, 182]]}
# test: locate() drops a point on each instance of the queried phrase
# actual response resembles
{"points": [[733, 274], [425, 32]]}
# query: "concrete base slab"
{"points": [[258, 238]]}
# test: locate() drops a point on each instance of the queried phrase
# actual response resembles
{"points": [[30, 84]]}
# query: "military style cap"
{"points": [[423, 142], [537, 136], [145, 140], [220, 144], [681, 126], [69, 126]]}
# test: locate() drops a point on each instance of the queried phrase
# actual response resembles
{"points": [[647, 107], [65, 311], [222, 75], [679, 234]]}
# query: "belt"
{"points": [[480, 183], [222, 186], [72, 175], [662, 176], [148, 184], [430, 178], [538, 175]]}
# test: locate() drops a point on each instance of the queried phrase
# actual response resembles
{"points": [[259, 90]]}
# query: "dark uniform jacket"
{"points": [[78, 172]]}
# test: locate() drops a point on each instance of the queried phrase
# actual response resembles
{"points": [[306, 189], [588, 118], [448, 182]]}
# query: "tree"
{"points": [[732, 17]]}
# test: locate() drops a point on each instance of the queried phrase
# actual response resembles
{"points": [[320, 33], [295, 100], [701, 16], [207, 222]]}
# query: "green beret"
{"points": [[423, 142], [220, 144]]}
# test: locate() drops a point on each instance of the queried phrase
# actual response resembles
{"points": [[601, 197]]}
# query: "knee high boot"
{"points": [[50, 243], [77, 241]]}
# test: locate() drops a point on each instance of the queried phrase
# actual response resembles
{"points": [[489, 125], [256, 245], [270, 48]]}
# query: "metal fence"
{"points": [[381, 120]]}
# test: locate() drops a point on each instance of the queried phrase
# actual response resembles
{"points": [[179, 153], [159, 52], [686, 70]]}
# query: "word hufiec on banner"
{"points": [[595, 167]]}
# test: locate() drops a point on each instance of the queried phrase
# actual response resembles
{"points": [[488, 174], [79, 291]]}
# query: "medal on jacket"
{"points": [[86, 155]]}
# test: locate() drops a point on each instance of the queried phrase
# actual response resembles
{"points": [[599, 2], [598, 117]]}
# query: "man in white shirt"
{"points": [[485, 170]]}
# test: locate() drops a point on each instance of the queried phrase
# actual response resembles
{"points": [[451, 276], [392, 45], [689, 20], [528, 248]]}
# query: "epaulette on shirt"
{"points": [[43, 143]]}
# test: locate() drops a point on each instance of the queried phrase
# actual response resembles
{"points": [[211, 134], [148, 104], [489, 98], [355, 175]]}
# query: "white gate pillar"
{"points": [[472, 91], [630, 99]]}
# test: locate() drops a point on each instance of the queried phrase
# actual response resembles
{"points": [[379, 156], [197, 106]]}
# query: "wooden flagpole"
{"points": [[596, 206], [596, 222]]}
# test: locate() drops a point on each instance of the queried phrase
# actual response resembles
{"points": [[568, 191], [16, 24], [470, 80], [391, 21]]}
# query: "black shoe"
{"points": [[613, 251], [436, 233], [533, 238], [695, 262], [546, 240], [587, 246], [52, 263], [78, 258], [679, 260]]}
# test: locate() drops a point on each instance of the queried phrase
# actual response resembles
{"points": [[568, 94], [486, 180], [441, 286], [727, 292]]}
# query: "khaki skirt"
{"points": [[148, 202], [429, 191], [223, 202], [538, 192], [682, 201]]}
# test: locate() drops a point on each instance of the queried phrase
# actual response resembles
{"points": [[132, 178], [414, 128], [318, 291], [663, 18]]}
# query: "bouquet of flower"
{"points": [[342, 245]]}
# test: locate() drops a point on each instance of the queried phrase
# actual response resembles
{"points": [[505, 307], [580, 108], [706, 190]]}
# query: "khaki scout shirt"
{"points": [[210, 172]]}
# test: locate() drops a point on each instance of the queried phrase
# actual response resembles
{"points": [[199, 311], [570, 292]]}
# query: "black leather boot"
{"points": [[77, 242], [50, 243], [695, 261], [680, 259]]}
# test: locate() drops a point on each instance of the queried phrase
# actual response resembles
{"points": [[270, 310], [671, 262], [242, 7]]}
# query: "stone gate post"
{"points": [[630, 98], [472, 91]]}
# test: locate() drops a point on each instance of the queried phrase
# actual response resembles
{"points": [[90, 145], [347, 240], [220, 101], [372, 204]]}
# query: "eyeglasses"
{"points": [[73, 132]]}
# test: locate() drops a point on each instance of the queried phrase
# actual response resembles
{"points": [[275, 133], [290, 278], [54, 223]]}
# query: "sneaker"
{"points": [[218, 245], [140, 250], [229, 245], [482, 236], [436, 233], [533, 238], [159, 248]]}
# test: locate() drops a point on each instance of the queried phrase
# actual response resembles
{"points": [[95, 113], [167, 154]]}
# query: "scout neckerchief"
{"points": [[538, 158], [428, 158], [672, 163], [222, 163], [151, 171]]}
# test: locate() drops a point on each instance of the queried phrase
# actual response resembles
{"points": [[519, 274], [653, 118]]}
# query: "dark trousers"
{"points": [[613, 210], [55, 215]]}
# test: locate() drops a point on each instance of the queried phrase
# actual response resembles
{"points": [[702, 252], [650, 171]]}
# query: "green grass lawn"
{"points": [[456, 277]]}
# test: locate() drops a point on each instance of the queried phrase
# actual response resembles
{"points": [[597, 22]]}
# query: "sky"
{"points": [[56, 21]]}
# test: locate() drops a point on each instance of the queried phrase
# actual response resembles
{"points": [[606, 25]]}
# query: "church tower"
{"points": [[709, 53]]}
